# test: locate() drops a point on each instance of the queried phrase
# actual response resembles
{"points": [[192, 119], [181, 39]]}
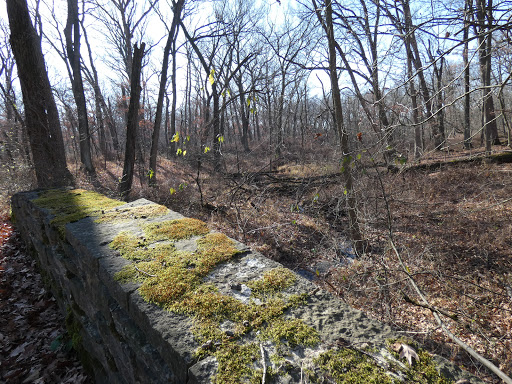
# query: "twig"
{"points": [[460, 343], [431, 307], [506, 379], [263, 361], [145, 273]]}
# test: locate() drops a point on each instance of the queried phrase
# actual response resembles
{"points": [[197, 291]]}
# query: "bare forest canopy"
{"points": [[411, 74], [313, 130]]}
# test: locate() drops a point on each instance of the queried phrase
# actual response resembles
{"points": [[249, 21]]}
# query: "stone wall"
{"points": [[125, 338]]}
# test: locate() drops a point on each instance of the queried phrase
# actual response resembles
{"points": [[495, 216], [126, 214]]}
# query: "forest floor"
{"points": [[451, 225]]}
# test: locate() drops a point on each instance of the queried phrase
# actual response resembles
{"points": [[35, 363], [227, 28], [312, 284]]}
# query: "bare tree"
{"points": [[171, 40], [133, 118], [41, 115], [72, 34], [483, 29], [327, 25]]}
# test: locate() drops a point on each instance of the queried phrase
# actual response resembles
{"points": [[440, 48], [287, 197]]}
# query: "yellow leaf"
{"points": [[211, 79], [172, 190]]}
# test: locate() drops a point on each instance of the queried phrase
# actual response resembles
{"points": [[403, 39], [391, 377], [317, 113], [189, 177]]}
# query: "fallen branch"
{"points": [[435, 313], [431, 307]]}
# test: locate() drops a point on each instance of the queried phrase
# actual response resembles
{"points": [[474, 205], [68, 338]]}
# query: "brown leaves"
{"points": [[33, 344]]}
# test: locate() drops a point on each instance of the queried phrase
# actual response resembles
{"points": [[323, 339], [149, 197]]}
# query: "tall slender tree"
{"points": [[328, 26], [41, 115], [133, 121], [171, 38], [483, 28], [72, 34]]}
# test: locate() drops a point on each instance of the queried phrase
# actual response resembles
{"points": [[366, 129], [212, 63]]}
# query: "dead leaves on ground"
{"points": [[33, 343]]}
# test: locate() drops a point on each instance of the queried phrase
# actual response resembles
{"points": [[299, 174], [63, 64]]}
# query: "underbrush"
{"points": [[452, 228]]}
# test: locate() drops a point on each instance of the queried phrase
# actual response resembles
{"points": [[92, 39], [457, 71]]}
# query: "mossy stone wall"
{"points": [[232, 315]]}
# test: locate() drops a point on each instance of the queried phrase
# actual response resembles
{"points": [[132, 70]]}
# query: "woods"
{"points": [[315, 130]]}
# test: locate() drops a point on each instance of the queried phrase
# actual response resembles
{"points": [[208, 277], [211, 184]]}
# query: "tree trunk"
{"points": [[467, 96], [418, 147], [102, 109], [41, 115], [485, 19], [244, 115], [354, 229], [174, 99], [171, 37], [72, 34], [132, 122], [217, 139]]}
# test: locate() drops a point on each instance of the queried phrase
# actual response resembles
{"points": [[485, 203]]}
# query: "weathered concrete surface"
{"points": [[127, 340]]}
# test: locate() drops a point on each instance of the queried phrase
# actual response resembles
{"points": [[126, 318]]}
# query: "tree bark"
{"points": [[217, 139], [354, 228], [171, 37], [132, 122], [467, 96], [72, 34], [41, 115], [484, 18]]}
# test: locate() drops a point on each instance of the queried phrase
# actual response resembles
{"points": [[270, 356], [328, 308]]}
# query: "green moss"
{"points": [[74, 328], [72, 205], [215, 248], [237, 364], [175, 280], [294, 331], [135, 248], [208, 304], [131, 213], [425, 371], [349, 366], [353, 366], [273, 280], [175, 229]]}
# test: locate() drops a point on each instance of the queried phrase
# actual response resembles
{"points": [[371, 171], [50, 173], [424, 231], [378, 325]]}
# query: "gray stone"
{"points": [[128, 340]]}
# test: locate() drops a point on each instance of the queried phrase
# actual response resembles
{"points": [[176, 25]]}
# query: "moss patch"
{"points": [[72, 205], [175, 229], [353, 366], [423, 371], [238, 364], [294, 331], [349, 366], [174, 280], [273, 280]]}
